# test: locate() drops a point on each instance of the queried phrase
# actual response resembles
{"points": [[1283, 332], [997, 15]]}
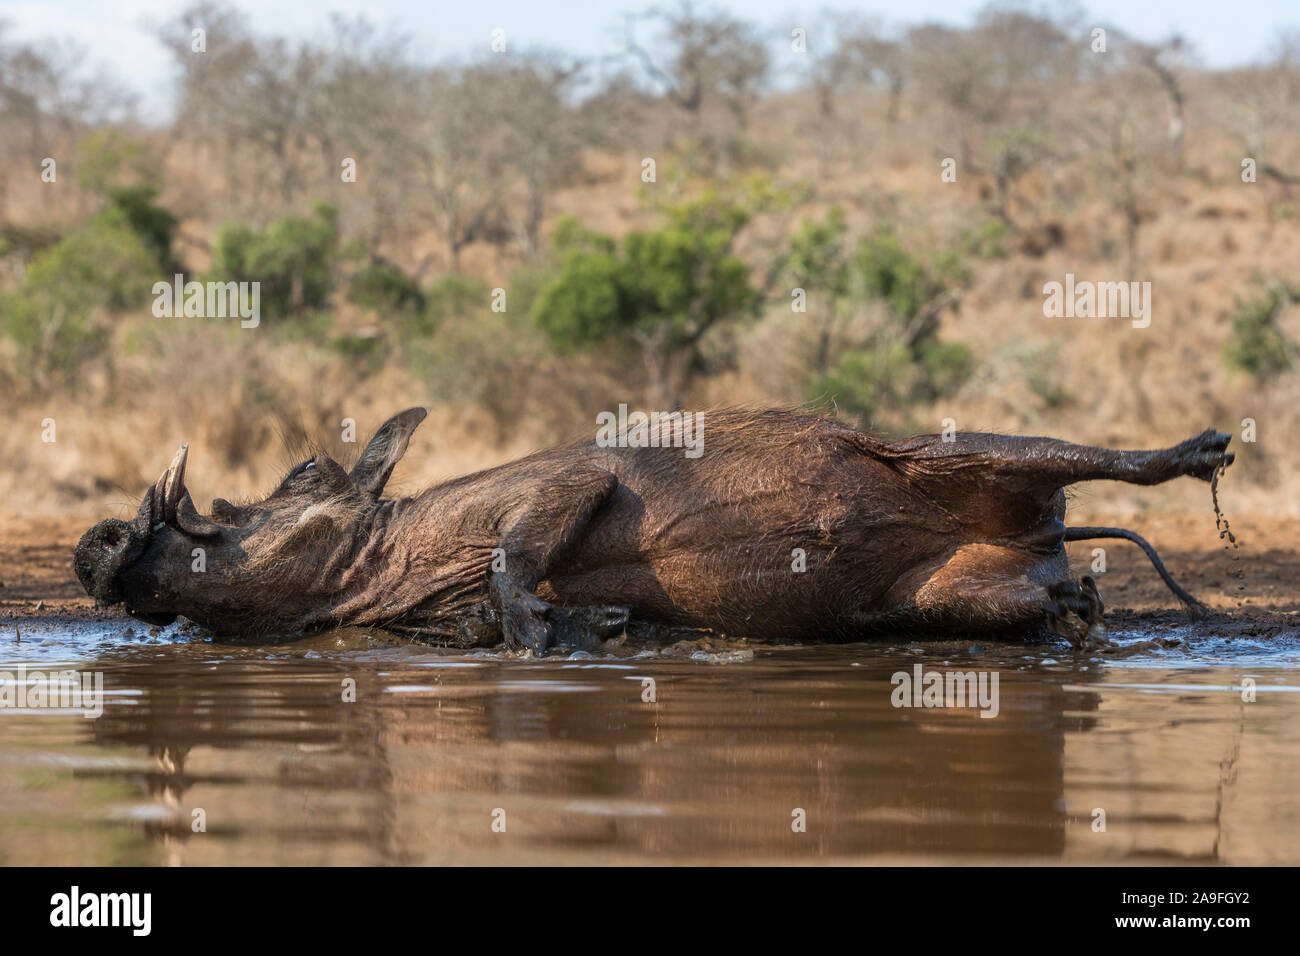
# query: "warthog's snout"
{"points": [[112, 546], [101, 553]]}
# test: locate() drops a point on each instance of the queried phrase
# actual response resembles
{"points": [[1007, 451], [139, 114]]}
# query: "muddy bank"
{"points": [[1254, 587]]}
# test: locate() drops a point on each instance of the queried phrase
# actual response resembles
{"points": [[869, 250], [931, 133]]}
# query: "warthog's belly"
{"points": [[762, 565]]}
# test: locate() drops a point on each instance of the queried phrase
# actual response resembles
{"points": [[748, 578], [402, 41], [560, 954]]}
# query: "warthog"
{"points": [[786, 527]]}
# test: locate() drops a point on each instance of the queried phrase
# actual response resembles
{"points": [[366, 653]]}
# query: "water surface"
{"points": [[447, 757]]}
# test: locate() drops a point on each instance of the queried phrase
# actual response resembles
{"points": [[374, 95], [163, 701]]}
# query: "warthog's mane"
{"points": [[291, 539]]}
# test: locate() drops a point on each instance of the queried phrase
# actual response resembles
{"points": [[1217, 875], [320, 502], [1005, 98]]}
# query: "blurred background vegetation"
{"points": [[505, 256]]}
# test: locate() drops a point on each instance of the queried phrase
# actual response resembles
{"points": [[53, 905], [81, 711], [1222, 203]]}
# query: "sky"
{"points": [[116, 33]]}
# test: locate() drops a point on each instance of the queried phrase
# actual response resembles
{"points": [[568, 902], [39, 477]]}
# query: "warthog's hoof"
{"points": [[524, 624], [1205, 454], [481, 627], [585, 628], [522, 615], [1075, 612]]}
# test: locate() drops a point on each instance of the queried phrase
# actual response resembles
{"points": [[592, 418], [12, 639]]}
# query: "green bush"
{"points": [[816, 257], [366, 349], [870, 382], [864, 381], [450, 300], [293, 259], [905, 283], [661, 288], [946, 366], [902, 362], [109, 159], [987, 241], [420, 313], [155, 225], [50, 318], [127, 173], [386, 289], [1256, 344], [590, 299], [526, 284], [680, 279]]}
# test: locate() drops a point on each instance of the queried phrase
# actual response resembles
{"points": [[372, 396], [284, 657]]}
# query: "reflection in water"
{"points": [[260, 747]]}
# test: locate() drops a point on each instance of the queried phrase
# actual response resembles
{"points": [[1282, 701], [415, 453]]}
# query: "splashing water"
{"points": [[1235, 571]]}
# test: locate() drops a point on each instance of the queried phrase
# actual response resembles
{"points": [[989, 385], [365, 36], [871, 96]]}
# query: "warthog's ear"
{"points": [[385, 450]]}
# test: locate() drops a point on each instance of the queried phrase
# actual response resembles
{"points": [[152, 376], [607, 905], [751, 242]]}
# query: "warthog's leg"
{"points": [[986, 587], [1051, 463], [554, 517], [579, 628]]}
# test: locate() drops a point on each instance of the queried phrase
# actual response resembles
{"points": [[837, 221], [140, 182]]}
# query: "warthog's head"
{"points": [[283, 563]]}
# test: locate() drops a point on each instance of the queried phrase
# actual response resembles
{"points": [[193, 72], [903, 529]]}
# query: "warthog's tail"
{"points": [[1194, 607]]}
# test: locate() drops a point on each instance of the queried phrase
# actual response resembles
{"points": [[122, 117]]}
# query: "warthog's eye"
{"points": [[300, 469], [295, 473]]}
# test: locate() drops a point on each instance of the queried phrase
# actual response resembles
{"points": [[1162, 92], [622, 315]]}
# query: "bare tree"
{"points": [[1010, 69], [49, 97], [861, 56], [247, 92], [701, 56], [1265, 104], [886, 60], [362, 108], [833, 60], [1118, 146], [1162, 60], [462, 155], [743, 66], [544, 134]]}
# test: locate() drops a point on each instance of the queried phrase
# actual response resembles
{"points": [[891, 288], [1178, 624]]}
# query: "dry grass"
{"points": [[244, 399]]}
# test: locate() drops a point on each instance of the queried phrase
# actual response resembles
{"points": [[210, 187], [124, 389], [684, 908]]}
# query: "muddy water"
{"points": [[218, 754]]}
